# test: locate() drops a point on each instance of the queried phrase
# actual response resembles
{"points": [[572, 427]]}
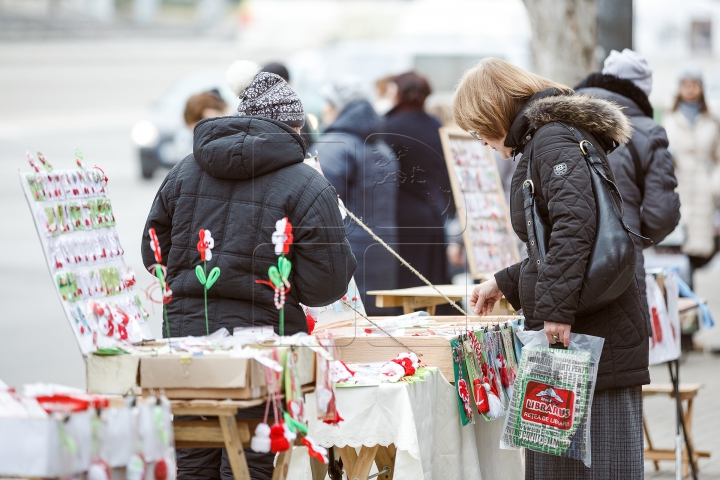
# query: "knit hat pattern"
{"points": [[270, 96]]}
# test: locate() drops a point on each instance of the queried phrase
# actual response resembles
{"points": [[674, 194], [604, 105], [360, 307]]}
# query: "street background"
{"points": [[80, 74]]}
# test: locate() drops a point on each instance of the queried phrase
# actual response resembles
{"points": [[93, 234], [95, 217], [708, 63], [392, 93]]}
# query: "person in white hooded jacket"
{"points": [[695, 145]]}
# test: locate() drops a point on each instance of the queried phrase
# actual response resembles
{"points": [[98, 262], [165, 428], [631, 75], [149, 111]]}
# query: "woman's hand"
{"points": [[559, 330], [484, 297]]}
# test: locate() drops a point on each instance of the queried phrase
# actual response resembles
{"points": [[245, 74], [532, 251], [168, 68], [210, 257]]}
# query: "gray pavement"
{"points": [[660, 415]]}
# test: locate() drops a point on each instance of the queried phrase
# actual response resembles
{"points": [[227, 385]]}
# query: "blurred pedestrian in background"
{"points": [[695, 143], [385, 93], [204, 105], [425, 201], [358, 163], [278, 69], [643, 167]]}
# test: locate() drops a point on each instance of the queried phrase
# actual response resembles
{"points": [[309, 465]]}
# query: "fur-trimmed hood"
{"points": [[601, 118], [626, 92]]}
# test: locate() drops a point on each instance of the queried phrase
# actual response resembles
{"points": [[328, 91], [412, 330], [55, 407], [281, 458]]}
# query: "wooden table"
{"points": [[688, 392], [428, 298]]}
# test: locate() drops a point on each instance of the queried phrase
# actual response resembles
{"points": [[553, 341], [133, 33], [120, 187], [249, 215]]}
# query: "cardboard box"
{"points": [[113, 374], [215, 376], [206, 376]]}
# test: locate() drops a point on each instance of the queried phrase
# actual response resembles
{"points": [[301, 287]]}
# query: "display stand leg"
{"points": [[384, 458], [680, 424], [319, 470], [234, 447], [282, 465], [364, 463], [349, 457]]}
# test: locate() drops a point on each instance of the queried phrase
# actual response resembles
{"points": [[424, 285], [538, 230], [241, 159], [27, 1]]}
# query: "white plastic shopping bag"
{"points": [[550, 407]]}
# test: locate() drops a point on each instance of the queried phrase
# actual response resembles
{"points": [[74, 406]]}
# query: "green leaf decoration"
{"points": [[212, 277], [285, 267], [274, 275], [294, 425], [159, 273], [200, 274]]}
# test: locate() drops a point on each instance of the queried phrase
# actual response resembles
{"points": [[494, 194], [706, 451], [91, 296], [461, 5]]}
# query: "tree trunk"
{"points": [[564, 38]]}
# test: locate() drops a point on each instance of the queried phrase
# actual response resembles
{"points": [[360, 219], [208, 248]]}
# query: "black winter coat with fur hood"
{"points": [[246, 173], [567, 205]]}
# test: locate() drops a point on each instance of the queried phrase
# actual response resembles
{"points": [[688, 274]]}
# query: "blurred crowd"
{"points": [[382, 152], [379, 146]]}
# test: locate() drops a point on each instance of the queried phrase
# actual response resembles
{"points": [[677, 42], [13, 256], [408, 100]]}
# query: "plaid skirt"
{"points": [[616, 443]]}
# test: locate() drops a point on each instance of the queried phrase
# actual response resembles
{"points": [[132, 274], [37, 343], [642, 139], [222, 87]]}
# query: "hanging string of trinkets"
{"points": [[485, 368], [288, 424]]}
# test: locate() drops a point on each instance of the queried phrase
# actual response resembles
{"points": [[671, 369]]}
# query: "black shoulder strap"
{"points": [[537, 232], [595, 164], [639, 172]]}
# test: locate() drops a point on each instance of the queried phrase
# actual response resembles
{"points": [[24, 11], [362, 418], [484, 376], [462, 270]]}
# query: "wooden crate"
{"points": [[433, 350]]}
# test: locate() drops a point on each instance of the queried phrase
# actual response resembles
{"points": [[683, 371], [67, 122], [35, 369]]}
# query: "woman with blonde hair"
{"points": [[515, 112]]}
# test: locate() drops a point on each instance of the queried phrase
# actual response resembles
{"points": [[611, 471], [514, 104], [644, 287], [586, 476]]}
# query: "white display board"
{"points": [[73, 216], [484, 216]]}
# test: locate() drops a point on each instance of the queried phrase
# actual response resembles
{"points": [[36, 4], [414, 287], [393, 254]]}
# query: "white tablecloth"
{"points": [[423, 422]]}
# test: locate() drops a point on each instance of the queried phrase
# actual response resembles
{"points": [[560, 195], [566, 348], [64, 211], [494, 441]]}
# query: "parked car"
{"points": [[162, 138]]}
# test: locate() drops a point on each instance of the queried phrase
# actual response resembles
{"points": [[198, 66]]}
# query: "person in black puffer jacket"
{"points": [[646, 178], [245, 174], [357, 162], [514, 112]]}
